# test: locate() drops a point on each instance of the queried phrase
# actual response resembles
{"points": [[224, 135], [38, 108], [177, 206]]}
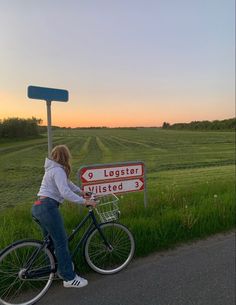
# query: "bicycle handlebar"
{"points": [[96, 198], [92, 197]]}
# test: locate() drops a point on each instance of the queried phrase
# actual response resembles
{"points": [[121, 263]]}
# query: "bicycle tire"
{"points": [[14, 290], [104, 260]]}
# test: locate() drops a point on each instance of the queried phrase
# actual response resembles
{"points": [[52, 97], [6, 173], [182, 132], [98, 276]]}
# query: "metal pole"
{"points": [[49, 128], [145, 186]]}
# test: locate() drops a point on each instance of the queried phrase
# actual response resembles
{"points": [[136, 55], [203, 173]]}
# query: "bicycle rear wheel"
{"points": [[15, 286], [109, 260]]}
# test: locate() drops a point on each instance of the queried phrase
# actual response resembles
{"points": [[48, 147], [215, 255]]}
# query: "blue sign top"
{"points": [[48, 94]]}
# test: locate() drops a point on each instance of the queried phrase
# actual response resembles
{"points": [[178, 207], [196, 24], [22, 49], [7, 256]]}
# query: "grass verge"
{"points": [[179, 215]]}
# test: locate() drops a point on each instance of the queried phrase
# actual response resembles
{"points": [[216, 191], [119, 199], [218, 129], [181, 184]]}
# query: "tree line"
{"points": [[228, 124], [19, 128], [25, 128]]}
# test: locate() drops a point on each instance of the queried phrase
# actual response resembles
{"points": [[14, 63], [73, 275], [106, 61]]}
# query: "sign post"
{"points": [[48, 95], [49, 127], [116, 178]]}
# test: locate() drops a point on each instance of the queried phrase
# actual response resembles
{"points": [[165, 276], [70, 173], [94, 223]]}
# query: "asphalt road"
{"points": [[202, 273]]}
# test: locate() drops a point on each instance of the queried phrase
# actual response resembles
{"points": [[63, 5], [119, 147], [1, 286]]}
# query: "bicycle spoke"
{"points": [[118, 237], [10, 286], [17, 291], [120, 254], [12, 264], [109, 259], [96, 254], [101, 259]]}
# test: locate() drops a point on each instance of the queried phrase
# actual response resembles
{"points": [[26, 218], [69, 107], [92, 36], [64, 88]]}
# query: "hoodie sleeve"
{"points": [[74, 187], [63, 187]]}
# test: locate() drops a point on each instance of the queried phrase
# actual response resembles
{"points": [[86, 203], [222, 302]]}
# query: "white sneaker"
{"points": [[77, 282]]}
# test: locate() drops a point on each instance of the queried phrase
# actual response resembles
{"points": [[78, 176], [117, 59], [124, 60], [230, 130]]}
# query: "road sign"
{"points": [[115, 172], [123, 186], [114, 178], [48, 94]]}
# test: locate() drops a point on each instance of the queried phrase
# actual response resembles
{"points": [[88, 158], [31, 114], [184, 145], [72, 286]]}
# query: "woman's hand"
{"points": [[86, 194], [90, 202]]}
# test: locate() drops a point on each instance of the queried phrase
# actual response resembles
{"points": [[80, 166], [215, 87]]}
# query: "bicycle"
{"points": [[28, 267]]}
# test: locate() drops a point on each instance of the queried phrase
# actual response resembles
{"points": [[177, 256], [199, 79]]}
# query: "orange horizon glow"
{"points": [[130, 113]]}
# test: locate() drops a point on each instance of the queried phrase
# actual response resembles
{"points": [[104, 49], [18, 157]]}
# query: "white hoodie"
{"points": [[57, 186]]}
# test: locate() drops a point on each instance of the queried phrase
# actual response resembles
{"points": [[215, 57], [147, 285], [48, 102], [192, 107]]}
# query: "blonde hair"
{"points": [[61, 155]]}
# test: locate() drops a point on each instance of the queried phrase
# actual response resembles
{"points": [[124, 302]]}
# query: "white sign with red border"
{"points": [[117, 172], [124, 186], [115, 178]]}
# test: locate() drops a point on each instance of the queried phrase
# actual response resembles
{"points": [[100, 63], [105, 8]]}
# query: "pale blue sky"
{"points": [[124, 62]]}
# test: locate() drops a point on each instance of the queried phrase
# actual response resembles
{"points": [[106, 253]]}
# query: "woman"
{"points": [[56, 187]]}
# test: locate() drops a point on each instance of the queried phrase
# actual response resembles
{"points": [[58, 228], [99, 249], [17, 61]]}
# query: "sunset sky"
{"points": [[124, 63]]}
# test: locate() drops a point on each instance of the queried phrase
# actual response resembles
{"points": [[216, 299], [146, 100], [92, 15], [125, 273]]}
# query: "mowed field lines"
{"points": [[190, 181], [21, 162]]}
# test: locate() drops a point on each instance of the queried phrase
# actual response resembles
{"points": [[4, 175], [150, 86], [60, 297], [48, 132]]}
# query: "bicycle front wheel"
{"points": [[113, 258], [18, 288]]}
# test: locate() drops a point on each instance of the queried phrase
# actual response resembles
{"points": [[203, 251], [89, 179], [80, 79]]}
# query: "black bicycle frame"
{"points": [[94, 225], [42, 271]]}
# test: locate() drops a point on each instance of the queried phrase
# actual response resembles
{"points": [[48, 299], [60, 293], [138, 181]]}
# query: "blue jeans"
{"points": [[52, 223]]}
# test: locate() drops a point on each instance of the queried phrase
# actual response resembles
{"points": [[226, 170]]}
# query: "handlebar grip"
{"points": [[89, 193]]}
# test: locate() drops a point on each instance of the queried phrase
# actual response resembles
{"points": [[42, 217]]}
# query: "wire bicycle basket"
{"points": [[107, 209]]}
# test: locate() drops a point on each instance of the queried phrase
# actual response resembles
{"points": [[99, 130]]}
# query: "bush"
{"points": [[19, 128], [228, 124]]}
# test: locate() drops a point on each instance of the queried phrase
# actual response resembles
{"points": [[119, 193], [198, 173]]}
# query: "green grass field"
{"points": [[190, 182]]}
